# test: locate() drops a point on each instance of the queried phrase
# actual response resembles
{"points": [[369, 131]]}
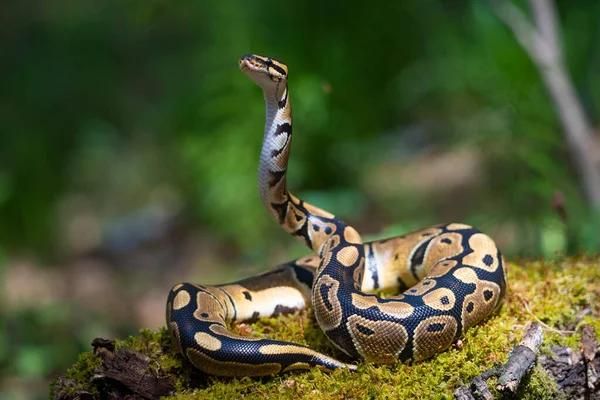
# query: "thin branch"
{"points": [[521, 359], [542, 44], [546, 326], [544, 14], [510, 374], [525, 32]]}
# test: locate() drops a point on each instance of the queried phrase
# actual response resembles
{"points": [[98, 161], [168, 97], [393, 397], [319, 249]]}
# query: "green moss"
{"points": [[84, 369], [551, 292], [80, 374], [155, 345]]}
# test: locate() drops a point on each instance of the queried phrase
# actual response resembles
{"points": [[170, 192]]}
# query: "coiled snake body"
{"points": [[453, 276]]}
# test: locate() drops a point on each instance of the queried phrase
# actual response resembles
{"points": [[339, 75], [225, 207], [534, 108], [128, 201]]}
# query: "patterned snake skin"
{"points": [[453, 276]]}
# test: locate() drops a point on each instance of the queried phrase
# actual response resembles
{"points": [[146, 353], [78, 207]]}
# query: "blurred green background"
{"points": [[129, 142]]}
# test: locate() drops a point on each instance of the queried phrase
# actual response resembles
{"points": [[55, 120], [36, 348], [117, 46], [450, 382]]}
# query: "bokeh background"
{"points": [[129, 142]]}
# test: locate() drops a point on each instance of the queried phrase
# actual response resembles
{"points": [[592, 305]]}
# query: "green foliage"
{"points": [[534, 284], [127, 89]]}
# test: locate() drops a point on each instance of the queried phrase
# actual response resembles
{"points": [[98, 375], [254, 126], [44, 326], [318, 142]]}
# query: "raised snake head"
{"points": [[268, 73]]}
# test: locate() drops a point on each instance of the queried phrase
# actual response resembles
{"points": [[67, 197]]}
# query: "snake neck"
{"points": [[309, 224], [272, 169]]}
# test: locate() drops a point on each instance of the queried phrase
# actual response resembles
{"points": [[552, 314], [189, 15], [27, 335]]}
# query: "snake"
{"points": [[450, 277]]}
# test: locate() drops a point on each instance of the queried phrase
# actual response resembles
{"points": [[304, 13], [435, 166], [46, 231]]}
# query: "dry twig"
{"points": [[510, 374]]}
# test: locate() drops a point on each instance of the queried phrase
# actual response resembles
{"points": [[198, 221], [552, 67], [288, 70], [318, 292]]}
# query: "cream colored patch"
{"points": [[395, 309], [352, 236], [176, 287], [347, 256], [465, 274], [440, 299], [484, 253], [327, 318], [207, 341], [377, 341], [433, 335], [230, 368], [457, 227], [265, 301], [181, 300], [270, 349]]}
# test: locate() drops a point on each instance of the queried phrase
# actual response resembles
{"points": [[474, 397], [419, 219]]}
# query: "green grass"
{"points": [[553, 292]]}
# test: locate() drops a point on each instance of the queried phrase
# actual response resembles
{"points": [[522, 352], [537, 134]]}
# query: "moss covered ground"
{"points": [[563, 294]]}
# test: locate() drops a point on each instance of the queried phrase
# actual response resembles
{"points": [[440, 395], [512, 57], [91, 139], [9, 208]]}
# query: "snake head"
{"points": [[268, 73]]}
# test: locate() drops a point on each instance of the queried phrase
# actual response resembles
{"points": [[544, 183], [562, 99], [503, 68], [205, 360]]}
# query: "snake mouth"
{"points": [[258, 63], [252, 62]]}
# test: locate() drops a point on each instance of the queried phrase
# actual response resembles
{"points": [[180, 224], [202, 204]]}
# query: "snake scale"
{"points": [[453, 276]]}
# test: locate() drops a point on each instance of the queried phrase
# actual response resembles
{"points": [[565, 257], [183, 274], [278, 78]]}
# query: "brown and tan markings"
{"points": [[396, 254], [480, 303], [173, 330], [442, 268], [209, 308], [348, 256], [358, 274], [433, 335], [485, 253], [440, 299], [181, 300], [230, 368], [397, 309], [441, 247], [291, 349], [422, 287], [377, 341], [207, 341], [297, 365], [458, 227], [325, 299], [320, 231], [452, 275]]}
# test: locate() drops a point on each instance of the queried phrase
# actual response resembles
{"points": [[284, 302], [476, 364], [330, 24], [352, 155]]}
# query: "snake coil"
{"points": [[453, 276]]}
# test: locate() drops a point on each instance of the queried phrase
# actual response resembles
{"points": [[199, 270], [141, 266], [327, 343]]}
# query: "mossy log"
{"points": [[562, 296]]}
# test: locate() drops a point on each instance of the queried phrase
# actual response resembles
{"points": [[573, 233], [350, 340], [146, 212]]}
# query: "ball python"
{"points": [[452, 277]]}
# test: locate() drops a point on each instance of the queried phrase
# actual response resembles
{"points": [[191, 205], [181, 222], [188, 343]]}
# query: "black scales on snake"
{"points": [[453, 275]]}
